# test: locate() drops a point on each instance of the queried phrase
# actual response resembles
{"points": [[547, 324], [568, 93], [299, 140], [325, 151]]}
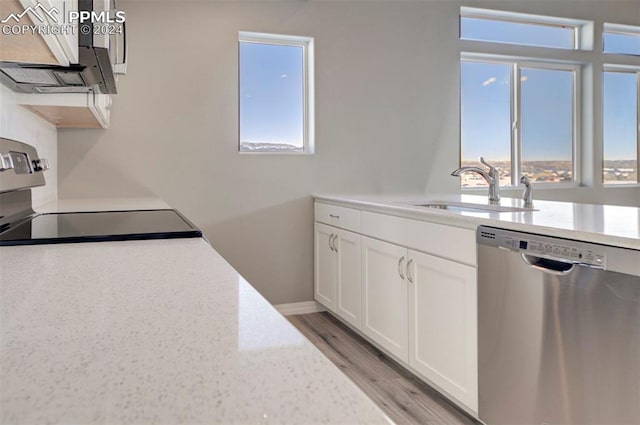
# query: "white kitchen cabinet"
{"points": [[324, 266], [59, 48], [416, 291], [422, 309], [70, 110], [443, 324], [385, 295], [348, 277], [337, 272]]}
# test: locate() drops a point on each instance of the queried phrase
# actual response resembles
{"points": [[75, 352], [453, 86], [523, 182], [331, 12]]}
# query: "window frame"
{"points": [[590, 56], [516, 64], [581, 29], [308, 87], [620, 29], [626, 70]]}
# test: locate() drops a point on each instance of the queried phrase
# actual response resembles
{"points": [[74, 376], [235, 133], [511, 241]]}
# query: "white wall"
{"points": [[387, 120], [20, 124]]}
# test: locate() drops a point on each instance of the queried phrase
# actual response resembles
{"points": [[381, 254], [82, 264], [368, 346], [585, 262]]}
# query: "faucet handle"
{"points": [[491, 167]]}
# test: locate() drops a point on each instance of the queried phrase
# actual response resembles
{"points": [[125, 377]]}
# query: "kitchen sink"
{"points": [[469, 207]]}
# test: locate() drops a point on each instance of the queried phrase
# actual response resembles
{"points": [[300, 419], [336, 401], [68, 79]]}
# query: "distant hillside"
{"points": [[553, 171], [267, 146]]}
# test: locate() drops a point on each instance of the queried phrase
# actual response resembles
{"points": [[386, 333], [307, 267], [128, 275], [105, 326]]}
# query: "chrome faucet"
{"points": [[527, 195], [492, 177]]}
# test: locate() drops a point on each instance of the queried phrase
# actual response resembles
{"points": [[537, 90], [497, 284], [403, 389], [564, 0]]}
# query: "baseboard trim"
{"points": [[304, 307]]}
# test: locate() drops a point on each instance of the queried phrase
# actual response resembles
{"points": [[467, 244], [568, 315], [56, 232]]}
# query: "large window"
{"points": [[275, 93], [531, 113], [521, 116], [522, 113]]}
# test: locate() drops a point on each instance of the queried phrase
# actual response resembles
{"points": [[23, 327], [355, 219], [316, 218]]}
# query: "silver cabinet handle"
{"points": [[334, 216], [332, 242], [409, 277], [400, 261]]}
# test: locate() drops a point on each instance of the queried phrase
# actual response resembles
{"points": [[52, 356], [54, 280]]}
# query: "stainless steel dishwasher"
{"points": [[558, 330]]}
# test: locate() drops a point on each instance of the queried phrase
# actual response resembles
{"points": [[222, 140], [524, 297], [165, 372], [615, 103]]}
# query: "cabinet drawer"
{"points": [[345, 218], [440, 240]]}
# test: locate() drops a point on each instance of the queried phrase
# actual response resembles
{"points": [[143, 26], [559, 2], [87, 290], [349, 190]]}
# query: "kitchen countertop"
{"points": [[604, 224], [160, 331]]}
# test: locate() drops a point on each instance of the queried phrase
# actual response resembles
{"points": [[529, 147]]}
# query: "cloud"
{"points": [[489, 81]]}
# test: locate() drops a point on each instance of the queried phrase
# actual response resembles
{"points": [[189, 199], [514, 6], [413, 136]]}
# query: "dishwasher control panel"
{"points": [[541, 246], [556, 251]]}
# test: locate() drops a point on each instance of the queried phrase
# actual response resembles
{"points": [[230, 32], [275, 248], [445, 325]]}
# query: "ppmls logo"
{"points": [[49, 21], [38, 11]]}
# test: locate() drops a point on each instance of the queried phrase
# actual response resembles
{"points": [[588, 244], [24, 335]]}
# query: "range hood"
{"points": [[100, 57]]}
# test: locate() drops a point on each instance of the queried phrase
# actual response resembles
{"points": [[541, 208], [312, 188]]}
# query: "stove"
{"points": [[99, 226], [21, 170]]}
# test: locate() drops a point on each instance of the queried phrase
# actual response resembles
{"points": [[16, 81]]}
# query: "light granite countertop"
{"points": [[603, 224], [161, 331]]}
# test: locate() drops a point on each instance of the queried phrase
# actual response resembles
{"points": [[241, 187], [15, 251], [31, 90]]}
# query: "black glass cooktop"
{"points": [[99, 227]]}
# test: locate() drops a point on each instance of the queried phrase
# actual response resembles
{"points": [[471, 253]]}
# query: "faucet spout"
{"points": [[492, 177], [460, 171]]}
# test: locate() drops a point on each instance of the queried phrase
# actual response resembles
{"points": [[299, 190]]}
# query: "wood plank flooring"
{"points": [[403, 397]]}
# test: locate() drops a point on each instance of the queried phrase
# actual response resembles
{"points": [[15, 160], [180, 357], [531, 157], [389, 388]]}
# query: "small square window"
{"points": [[275, 94]]}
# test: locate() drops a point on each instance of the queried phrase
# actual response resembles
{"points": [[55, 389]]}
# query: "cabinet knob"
{"points": [[337, 217]]}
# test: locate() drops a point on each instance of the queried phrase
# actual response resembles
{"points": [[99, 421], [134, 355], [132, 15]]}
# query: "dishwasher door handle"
{"points": [[547, 265]]}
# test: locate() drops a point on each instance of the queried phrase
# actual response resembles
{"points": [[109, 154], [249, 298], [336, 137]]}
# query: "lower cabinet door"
{"points": [[324, 266], [385, 295], [443, 325], [348, 277]]}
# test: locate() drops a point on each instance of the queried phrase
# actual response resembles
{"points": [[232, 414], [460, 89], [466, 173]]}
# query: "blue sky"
{"points": [[546, 124], [621, 43], [620, 114], [271, 93]]}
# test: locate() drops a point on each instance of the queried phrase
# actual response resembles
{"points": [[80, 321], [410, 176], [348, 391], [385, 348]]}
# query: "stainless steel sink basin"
{"points": [[468, 207]]}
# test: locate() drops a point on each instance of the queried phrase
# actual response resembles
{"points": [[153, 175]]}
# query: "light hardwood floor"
{"points": [[404, 398]]}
